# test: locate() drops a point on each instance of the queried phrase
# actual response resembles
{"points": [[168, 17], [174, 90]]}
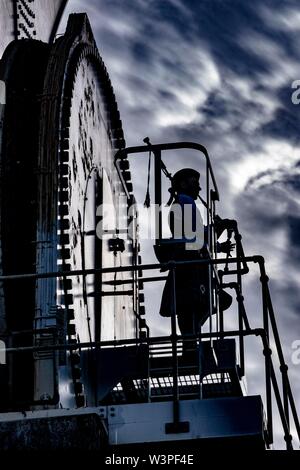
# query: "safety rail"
{"points": [[285, 401], [212, 194]]}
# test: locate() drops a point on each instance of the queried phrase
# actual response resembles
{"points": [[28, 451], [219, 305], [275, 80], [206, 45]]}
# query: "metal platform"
{"points": [[213, 422], [141, 374], [235, 418]]}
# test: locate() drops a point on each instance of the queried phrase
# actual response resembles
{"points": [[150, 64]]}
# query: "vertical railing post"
{"points": [[208, 221], [209, 244], [283, 366], [213, 216], [221, 313], [157, 193], [293, 409], [174, 349], [240, 317], [287, 436], [284, 369], [210, 297], [267, 350]]}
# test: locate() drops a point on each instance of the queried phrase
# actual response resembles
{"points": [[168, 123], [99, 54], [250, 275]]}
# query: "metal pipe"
{"points": [[129, 281], [157, 193], [15, 18], [240, 250], [161, 147], [110, 293], [267, 350], [283, 366], [239, 298], [174, 350], [240, 319], [285, 395], [145, 267], [293, 409], [287, 436], [221, 313], [154, 340]]}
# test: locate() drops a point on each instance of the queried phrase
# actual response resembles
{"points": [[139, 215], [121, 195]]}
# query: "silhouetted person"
{"points": [[188, 233]]}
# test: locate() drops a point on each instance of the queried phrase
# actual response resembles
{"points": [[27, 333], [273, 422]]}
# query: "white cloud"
{"points": [[283, 68], [275, 156], [285, 19]]}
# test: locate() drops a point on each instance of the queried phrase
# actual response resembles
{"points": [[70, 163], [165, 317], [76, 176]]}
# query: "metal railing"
{"points": [[284, 400]]}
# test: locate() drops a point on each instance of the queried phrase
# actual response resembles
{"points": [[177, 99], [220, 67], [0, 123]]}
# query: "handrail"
{"points": [[124, 342], [286, 388], [144, 267], [240, 255], [123, 153], [284, 406]]}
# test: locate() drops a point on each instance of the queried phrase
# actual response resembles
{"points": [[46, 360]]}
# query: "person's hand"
{"points": [[226, 247], [223, 224], [231, 224]]}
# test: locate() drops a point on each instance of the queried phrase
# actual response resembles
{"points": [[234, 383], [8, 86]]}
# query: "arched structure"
{"points": [[61, 129]]}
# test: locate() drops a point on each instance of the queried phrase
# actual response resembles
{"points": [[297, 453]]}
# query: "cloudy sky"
{"points": [[219, 72]]}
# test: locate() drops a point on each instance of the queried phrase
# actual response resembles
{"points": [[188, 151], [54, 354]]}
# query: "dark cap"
{"points": [[183, 174]]}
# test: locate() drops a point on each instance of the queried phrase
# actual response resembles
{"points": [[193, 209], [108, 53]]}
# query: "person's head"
{"points": [[186, 181]]}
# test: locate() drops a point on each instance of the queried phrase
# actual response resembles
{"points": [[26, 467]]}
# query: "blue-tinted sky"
{"points": [[219, 72]]}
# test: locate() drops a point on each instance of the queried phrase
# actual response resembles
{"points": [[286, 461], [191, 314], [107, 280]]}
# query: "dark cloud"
{"points": [[285, 125], [293, 223]]}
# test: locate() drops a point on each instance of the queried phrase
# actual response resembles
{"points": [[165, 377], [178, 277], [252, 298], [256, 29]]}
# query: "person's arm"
{"points": [[221, 225]]}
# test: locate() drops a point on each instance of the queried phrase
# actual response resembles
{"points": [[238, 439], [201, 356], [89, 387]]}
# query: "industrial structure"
{"points": [[80, 363]]}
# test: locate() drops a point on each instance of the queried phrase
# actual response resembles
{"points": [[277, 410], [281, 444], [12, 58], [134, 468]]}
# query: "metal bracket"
{"points": [[177, 428], [116, 244]]}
